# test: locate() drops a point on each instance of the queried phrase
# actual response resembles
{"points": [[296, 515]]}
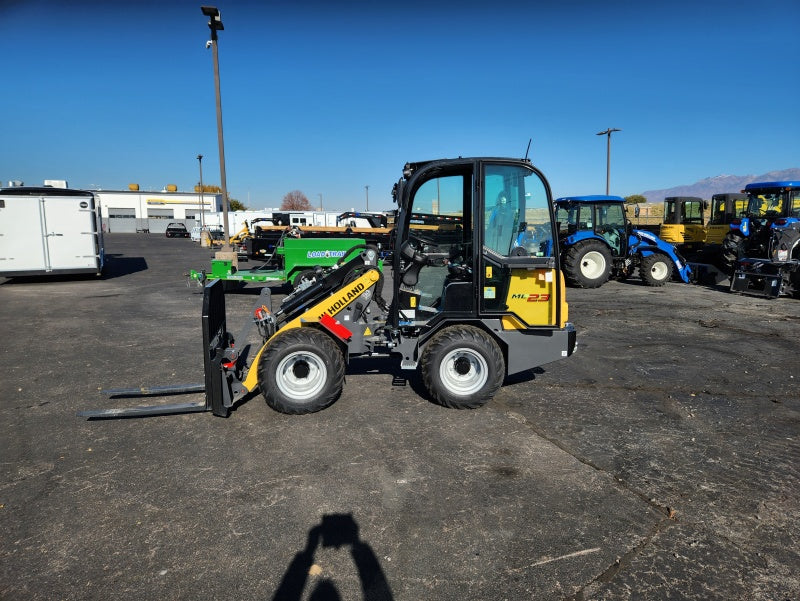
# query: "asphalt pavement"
{"points": [[660, 461]]}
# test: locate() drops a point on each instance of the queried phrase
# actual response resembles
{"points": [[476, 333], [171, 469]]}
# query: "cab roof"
{"points": [[759, 185], [591, 198]]}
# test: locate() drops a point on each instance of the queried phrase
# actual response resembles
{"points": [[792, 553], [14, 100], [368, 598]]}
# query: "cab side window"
{"points": [[517, 215]]}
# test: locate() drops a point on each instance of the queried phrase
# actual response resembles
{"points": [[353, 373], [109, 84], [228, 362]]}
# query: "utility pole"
{"points": [[367, 189], [215, 24], [202, 198], [608, 133]]}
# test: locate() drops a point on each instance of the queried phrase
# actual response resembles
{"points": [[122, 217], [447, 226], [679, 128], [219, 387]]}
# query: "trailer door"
{"points": [[22, 242], [69, 228]]}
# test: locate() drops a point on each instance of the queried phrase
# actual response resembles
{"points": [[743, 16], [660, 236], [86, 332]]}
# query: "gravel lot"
{"points": [[658, 462]]}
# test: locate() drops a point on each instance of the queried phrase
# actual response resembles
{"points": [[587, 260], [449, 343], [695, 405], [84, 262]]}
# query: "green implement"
{"points": [[295, 258]]}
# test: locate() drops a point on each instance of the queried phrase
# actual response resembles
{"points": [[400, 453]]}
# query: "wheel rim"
{"points": [[593, 264], [464, 371], [659, 270], [301, 375]]}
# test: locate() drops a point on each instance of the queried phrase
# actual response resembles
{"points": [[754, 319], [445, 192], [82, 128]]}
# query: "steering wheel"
{"points": [[416, 261]]}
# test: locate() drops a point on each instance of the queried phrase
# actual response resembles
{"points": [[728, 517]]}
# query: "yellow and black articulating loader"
{"points": [[474, 300]]}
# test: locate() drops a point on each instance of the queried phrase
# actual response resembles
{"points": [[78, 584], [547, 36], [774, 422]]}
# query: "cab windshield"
{"points": [[764, 205], [683, 211]]}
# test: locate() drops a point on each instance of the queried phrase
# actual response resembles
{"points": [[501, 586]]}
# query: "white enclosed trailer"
{"points": [[49, 231]]}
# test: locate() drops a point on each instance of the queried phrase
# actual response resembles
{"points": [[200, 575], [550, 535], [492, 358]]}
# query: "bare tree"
{"points": [[295, 201]]}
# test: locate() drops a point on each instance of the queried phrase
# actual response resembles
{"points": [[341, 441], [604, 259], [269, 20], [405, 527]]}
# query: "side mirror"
{"points": [[636, 211]]}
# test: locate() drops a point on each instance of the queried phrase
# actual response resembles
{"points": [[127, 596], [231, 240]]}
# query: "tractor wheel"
{"points": [[462, 367], [732, 250], [587, 264], [655, 269], [301, 371]]}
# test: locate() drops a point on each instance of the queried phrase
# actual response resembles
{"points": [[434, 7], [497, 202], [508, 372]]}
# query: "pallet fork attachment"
{"points": [[219, 381]]}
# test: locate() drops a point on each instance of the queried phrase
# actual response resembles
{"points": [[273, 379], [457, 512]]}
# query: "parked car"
{"points": [[177, 230]]}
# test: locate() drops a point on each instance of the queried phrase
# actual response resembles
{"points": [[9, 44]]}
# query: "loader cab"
{"points": [[724, 209], [485, 248], [684, 221]]}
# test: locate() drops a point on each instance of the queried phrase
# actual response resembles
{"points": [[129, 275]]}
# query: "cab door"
{"points": [[519, 280]]}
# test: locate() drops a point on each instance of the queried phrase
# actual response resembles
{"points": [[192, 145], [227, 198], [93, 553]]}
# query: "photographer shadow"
{"points": [[335, 531]]}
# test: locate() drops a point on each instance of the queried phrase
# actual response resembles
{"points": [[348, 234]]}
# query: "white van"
{"points": [[214, 230]]}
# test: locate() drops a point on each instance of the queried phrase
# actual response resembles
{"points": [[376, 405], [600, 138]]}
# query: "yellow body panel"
{"points": [[330, 306], [682, 233], [716, 233], [533, 298]]}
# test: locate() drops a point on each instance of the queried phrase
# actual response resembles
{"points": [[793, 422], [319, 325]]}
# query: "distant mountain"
{"points": [[720, 184]]}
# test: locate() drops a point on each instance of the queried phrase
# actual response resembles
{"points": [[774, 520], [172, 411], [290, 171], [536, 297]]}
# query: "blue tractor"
{"points": [[762, 248], [770, 205], [597, 242]]}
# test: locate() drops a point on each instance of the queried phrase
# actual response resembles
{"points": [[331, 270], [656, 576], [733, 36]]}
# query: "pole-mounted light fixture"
{"points": [[215, 24]]}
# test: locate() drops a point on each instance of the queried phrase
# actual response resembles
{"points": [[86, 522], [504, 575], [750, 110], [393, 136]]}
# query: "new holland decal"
{"points": [[344, 299]]}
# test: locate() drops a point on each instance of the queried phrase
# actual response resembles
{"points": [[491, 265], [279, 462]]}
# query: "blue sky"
{"points": [[329, 97]]}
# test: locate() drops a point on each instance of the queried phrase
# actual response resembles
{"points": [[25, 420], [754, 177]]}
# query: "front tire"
{"points": [[655, 269], [462, 367], [587, 264], [301, 371]]}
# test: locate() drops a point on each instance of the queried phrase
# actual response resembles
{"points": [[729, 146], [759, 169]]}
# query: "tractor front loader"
{"points": [[471, 304]]}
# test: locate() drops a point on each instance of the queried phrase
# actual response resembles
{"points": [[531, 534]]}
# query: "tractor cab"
{"points": [[772, 200], [770, 205], [584, 217]]}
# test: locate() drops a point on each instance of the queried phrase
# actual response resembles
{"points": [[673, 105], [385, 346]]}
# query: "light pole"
{"points": [[367, 189], [215, 25], [608, 133], [202, 199], [320, 202]]}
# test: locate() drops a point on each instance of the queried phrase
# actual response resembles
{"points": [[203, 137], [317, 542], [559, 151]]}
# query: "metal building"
{"points": [[134, 210]]}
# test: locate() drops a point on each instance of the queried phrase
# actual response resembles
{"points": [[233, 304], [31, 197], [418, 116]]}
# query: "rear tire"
{"points": [[732, 250], [301, 371], [462, 367], [587, 264], [655, 269]]}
